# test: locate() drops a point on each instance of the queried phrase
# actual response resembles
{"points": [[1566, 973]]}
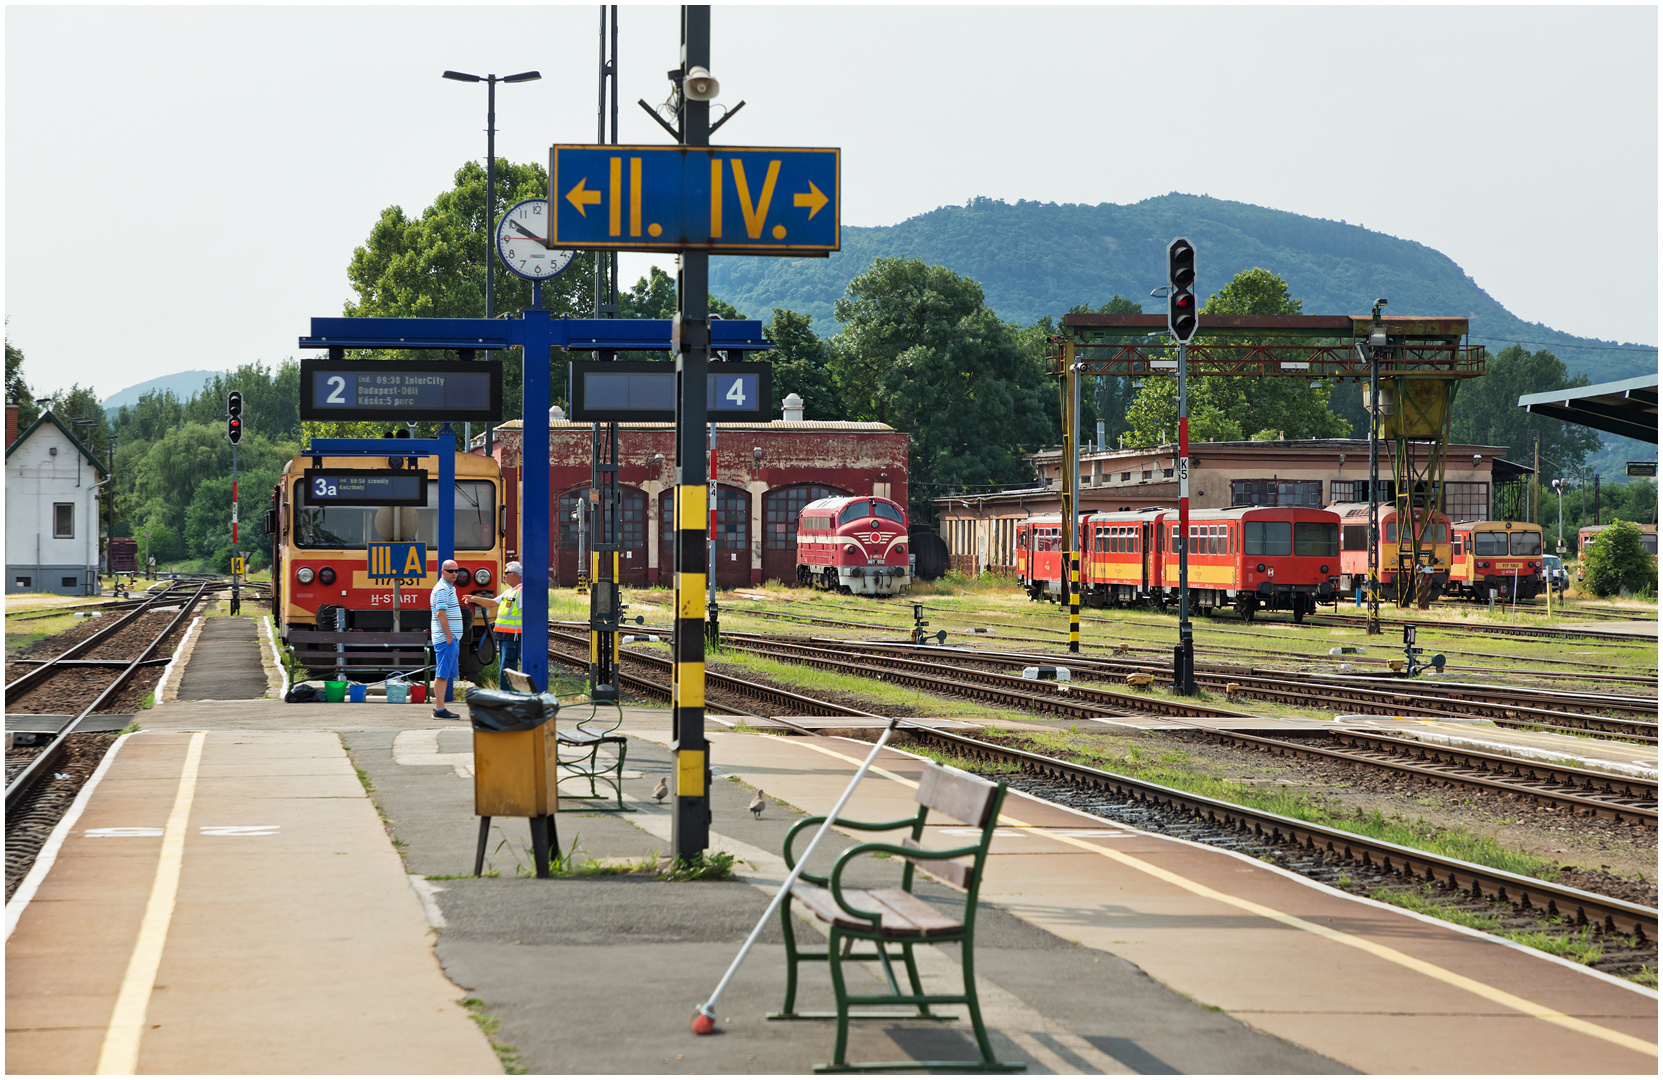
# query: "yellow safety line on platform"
{"points": [[120, 1054], [1433, 971]]}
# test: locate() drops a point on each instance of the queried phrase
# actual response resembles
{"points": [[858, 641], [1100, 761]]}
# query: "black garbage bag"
{"points": [[302, 692], [509, 710]]}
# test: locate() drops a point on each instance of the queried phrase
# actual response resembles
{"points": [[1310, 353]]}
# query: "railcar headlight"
{"points": [[1260, 568], [327, 575], [304, 575], [848, 549], [1323, 569], [900, 549], [482, 576]]}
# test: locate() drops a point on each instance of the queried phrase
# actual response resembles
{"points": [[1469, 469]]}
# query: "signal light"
{"points": [[1182, 318], [234, 410]]}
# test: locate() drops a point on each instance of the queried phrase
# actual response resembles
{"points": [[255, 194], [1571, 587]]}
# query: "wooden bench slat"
{"points": [[967, 798], [946, 869], [902, 914]]}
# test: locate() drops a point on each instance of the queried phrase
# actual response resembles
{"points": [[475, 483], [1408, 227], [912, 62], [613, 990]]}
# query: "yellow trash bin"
{"points": [[516, 767]]}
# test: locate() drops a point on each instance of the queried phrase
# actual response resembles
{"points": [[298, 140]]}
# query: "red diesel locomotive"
{"points": [[854, 544], [1250, 558]]}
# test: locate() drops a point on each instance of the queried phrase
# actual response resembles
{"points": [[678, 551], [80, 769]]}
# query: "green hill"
{"points": [[184, 384], [1035, 259]]}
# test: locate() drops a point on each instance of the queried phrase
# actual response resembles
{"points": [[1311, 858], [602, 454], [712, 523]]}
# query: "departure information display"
{"points": [[366, 487], [646, 391], [396, 390]]}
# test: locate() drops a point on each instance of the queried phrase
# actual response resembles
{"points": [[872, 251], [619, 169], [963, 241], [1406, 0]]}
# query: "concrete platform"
{"points": [[300, 943]]}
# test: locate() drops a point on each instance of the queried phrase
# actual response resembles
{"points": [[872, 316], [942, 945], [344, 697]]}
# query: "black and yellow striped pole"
{"points": [[690, 818], [1070, 517]]}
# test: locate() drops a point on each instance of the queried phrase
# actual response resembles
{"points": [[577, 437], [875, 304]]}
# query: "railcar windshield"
{"points": [[1525, 543], [1267, 537], [356, 526], [1489, 543], [885, 511], [1316, 538]]}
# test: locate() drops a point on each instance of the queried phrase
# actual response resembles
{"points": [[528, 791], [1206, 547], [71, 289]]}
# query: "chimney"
{"points": [[793, 407], [11, 425]]}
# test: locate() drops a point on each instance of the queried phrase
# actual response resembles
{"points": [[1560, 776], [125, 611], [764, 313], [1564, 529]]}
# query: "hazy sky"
{"points": [[185, 186]]}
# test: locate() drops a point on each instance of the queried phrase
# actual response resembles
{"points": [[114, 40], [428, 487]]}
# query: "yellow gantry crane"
{"points": [[1411, 366]]}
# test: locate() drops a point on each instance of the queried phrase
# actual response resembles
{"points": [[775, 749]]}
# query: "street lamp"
{"points": [[1559, 489], [490, 82]]}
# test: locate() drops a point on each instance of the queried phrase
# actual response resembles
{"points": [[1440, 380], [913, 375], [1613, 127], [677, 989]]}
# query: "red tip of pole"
{"points": [[703, 1023]]}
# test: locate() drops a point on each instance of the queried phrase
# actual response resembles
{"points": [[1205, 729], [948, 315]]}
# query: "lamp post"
{"points": [[1559, 489], [490, 82]]}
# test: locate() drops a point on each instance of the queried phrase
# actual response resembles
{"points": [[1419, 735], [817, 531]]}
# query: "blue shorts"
{"points": [[445, 659]]}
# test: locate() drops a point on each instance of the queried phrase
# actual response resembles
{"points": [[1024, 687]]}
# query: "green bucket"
{"points": [[334, 691]]}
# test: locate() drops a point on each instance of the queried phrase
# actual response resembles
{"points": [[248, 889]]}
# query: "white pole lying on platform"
{"points": [[705, 1011]]}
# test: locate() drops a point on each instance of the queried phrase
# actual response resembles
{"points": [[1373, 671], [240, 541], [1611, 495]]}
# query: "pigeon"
{"points": [[757, 804], [661, 790]]}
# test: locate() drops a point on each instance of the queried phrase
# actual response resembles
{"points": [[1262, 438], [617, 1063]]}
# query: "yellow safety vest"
{"points": [[508, 611]]}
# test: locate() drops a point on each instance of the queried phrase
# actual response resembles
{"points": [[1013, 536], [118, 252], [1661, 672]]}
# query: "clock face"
{"points": [[520, 242]]}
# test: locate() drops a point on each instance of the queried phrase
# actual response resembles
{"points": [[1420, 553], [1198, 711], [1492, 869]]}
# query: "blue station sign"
{"points": [[727, 200]]}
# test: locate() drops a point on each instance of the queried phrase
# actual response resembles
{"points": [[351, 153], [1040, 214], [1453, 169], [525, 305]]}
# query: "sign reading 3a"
{"points": [[736, 200]]}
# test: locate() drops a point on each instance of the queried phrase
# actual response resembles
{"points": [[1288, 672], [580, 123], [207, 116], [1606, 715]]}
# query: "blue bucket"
{"points": [[355, 692]]}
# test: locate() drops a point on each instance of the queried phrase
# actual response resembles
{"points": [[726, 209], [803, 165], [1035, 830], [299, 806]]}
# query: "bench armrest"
{"points": [[843, 823], [908, 853]]}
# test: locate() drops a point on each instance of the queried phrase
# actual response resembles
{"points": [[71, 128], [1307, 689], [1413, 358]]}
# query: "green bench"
{"points": [[894, 921], [586, 741]]}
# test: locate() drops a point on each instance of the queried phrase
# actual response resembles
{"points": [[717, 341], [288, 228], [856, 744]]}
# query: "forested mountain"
{"points": [[1035, 259], [184, 385]]}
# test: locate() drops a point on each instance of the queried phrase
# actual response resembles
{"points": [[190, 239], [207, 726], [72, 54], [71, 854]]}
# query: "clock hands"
{"points": [[523, 230]]}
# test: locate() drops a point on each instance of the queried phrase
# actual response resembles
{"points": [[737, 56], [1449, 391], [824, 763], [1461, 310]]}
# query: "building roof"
{"points": [[854, 426], [50, 416], [1627, 407]]}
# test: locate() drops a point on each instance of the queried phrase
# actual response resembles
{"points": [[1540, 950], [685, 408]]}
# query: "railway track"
{"points": [[1335, 695], [723, 692], [41, 784], [1580, 908], [1611, 797]]}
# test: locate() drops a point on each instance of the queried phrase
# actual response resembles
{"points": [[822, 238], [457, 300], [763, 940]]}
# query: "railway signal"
{"points": [[1181, 312], [234, 410]]}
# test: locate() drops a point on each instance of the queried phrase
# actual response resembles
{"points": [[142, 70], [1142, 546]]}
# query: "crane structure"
{"points": [[1416, 363]]}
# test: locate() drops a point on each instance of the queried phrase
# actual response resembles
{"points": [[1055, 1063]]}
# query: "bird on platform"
{"points": [[661, 790], [757, 804]]}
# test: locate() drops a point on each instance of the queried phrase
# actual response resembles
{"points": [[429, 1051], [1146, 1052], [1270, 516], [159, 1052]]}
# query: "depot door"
{"points": [[733, 538], [780, 509], [632, 556]]}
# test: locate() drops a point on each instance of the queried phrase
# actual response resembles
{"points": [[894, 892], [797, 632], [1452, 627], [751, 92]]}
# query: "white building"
{"points": [[52, 489]]}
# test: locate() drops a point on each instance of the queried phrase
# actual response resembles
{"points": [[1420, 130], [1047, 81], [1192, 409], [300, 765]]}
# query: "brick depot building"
{"points": [[765, 473], [980, 530]]}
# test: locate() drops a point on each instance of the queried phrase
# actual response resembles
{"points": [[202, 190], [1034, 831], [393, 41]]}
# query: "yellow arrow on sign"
{"points": [[813, 198], [581, 198]]}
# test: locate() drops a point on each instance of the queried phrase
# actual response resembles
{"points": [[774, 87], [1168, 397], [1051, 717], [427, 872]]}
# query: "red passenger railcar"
{"points": [[1250, 558], [854, 544]]}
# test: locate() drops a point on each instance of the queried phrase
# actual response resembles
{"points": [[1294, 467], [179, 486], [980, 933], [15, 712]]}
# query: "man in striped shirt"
{"points": [[446, 631]]}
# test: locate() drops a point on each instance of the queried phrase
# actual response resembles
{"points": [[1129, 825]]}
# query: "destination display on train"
{"points": [[646, 391], [365, 487], [399, 390]]}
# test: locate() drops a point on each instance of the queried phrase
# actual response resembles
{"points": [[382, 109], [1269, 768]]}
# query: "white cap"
{"points": [[513, 568]]}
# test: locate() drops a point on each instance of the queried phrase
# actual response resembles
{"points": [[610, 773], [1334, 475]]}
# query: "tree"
{"points": [[1486, 410], [17, 390], [1244, 405], [800, 366], [921, 351], [1617, 561], [433, 266]]}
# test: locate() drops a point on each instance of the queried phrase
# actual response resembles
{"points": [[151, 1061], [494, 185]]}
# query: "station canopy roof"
{"points": [[1627, 408]]}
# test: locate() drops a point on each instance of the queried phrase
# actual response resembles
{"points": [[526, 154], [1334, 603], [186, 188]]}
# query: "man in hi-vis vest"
{"points": [[506, 608]]}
